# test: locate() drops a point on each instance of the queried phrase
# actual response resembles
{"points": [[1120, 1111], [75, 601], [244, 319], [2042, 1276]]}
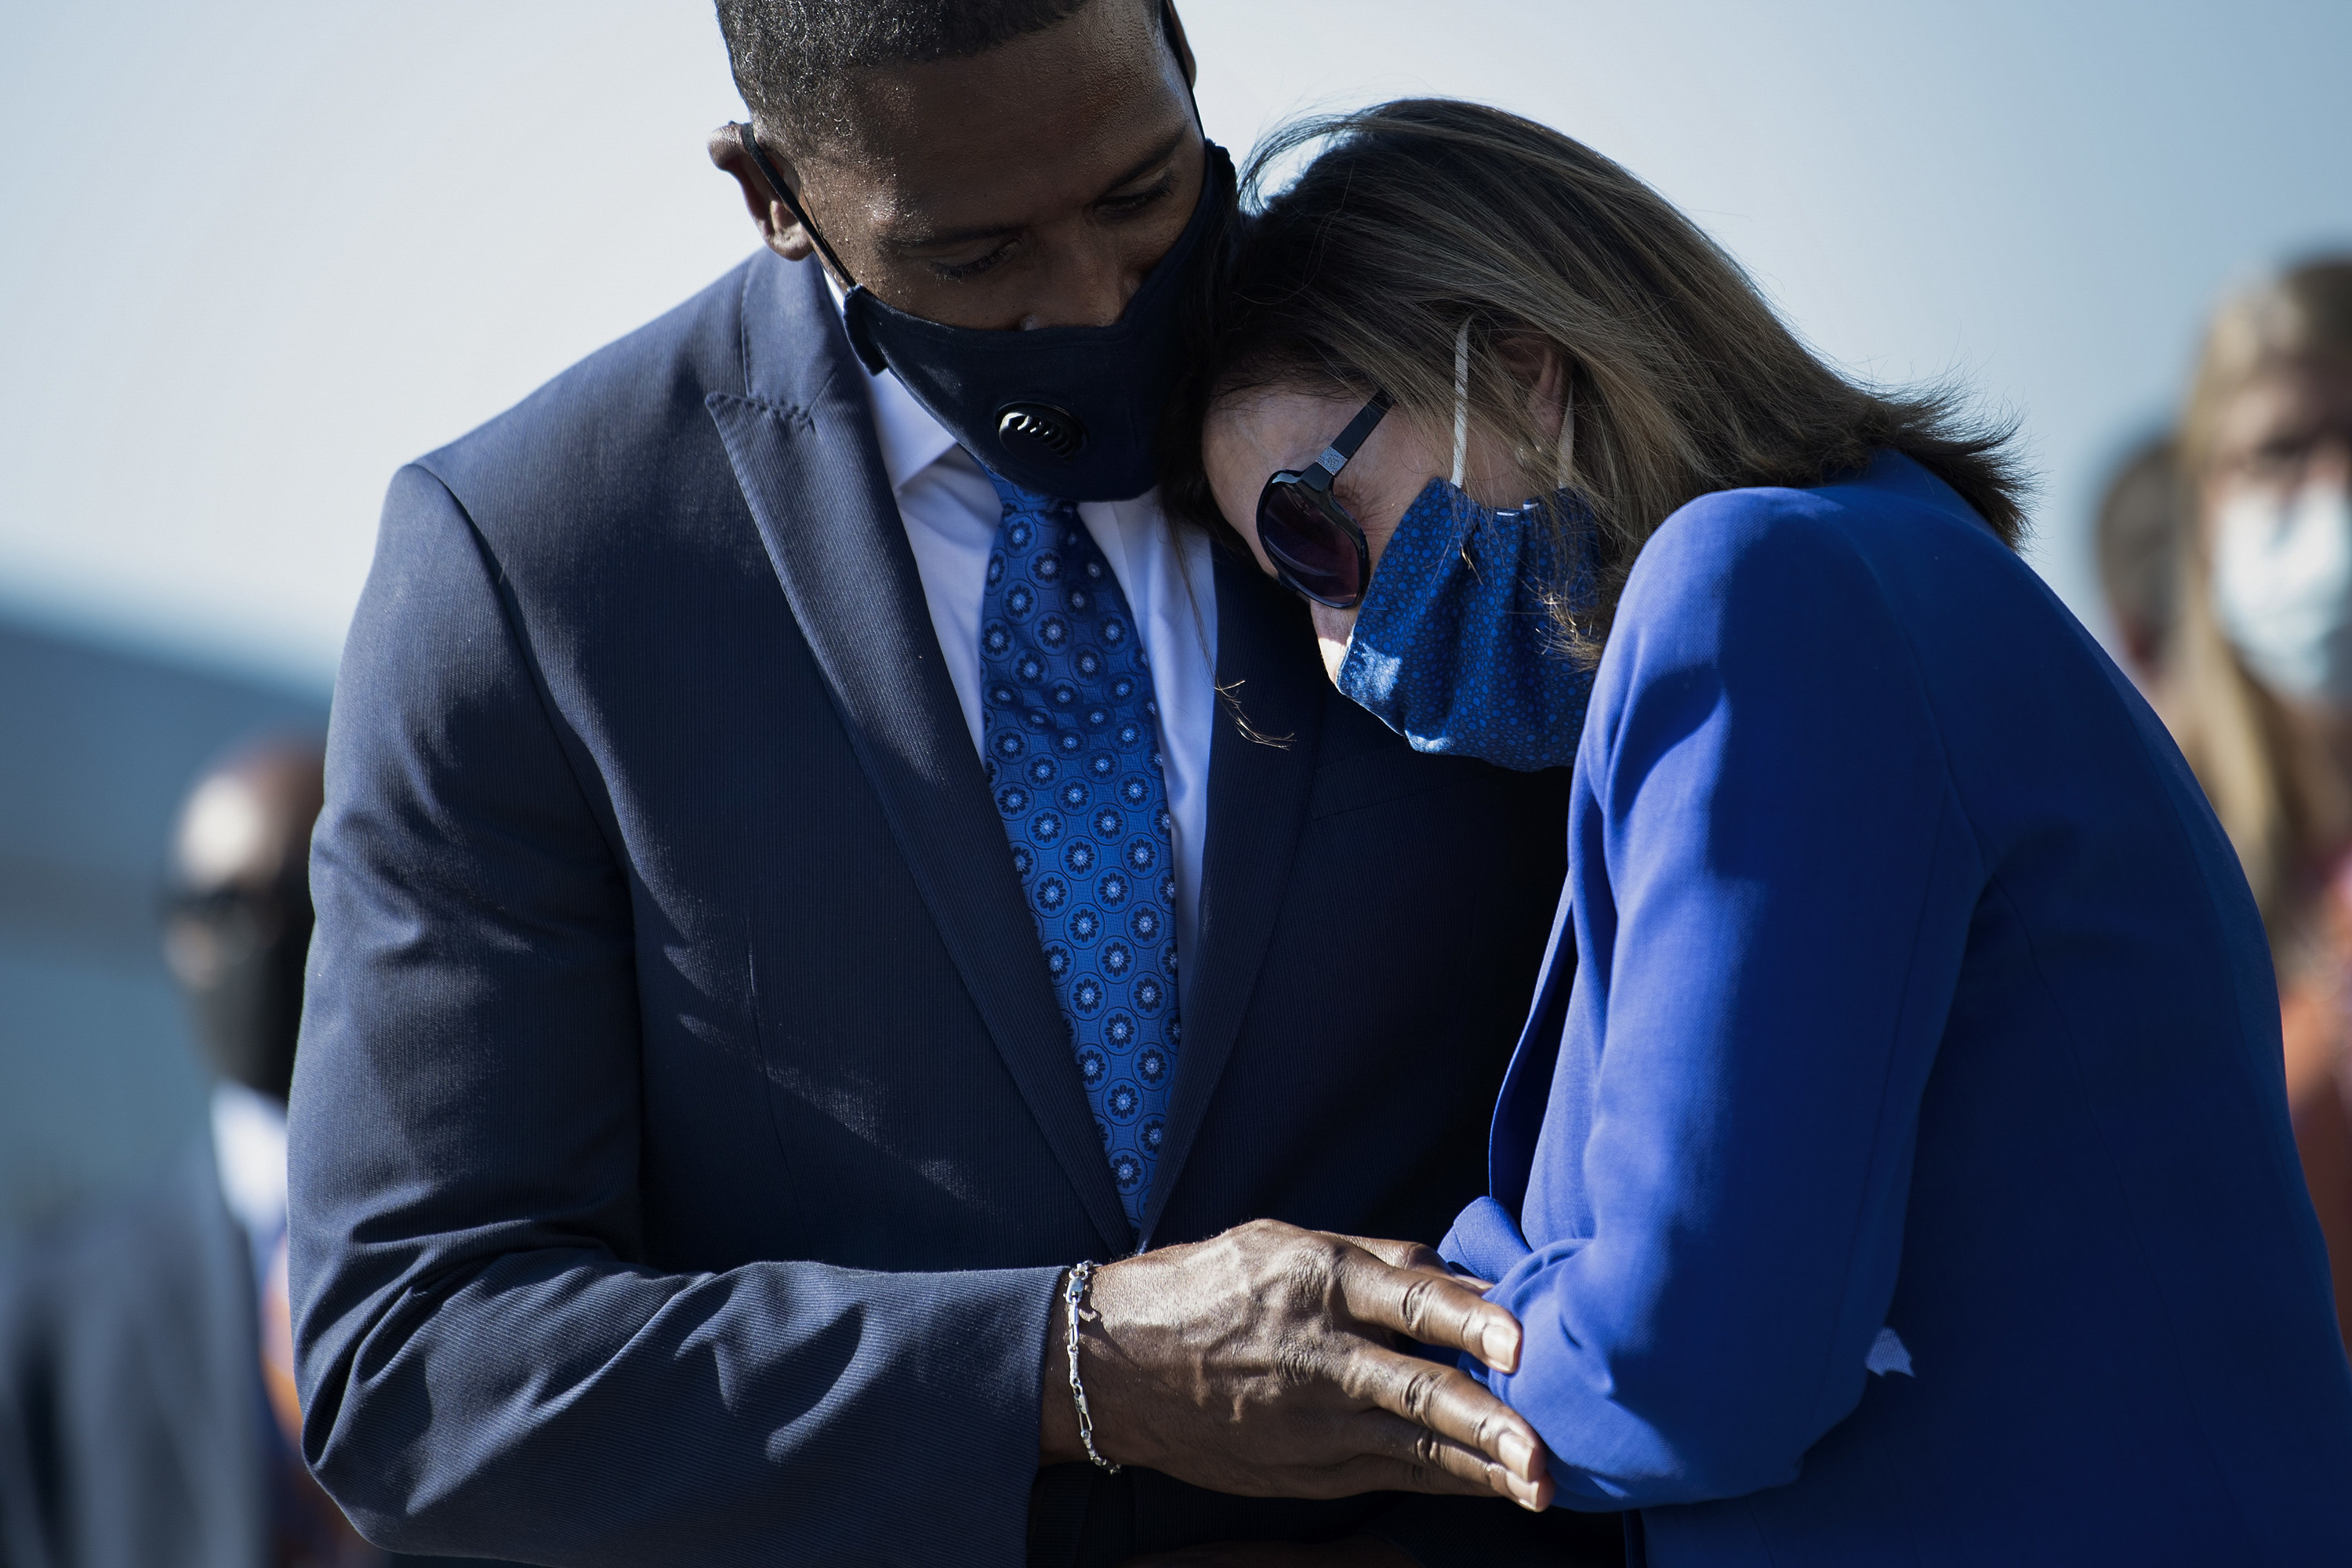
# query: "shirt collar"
{"points": [[249, 1145], [911, 438]]}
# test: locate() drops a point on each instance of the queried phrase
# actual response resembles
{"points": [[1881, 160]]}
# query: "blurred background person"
{"points": [[147, 1413], [2258, 681], [2136, 538]]}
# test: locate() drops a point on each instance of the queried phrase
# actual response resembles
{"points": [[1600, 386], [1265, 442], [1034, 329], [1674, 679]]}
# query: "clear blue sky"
{"points": [[257, 254]]}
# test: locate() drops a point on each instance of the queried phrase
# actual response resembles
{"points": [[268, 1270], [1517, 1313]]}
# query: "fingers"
{"points": [[1400, 1254], [1414, 1255], [1432, 1307], [1414, 1459], [1465, 1429]]}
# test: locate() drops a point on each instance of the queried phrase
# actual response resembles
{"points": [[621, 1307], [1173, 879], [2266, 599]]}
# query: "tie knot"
{"points": [[1021, 502]]}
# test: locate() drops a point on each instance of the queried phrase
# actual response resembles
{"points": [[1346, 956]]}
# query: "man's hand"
{"points": [[1259, 1363]]}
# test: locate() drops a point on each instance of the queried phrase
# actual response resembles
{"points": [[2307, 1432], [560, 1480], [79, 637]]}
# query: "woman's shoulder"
{"points": [[1840, 516], [1773, 585], [1818, 543]]}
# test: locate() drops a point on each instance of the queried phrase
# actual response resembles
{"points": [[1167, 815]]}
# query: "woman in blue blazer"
{"points": [[1895, 1166]]}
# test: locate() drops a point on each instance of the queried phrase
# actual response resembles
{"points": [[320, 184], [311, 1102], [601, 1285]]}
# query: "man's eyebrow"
{"points": [[1150, 161], [942, 238]]}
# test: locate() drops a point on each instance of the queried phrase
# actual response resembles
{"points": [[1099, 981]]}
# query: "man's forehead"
{"points": [[1055, 118]]}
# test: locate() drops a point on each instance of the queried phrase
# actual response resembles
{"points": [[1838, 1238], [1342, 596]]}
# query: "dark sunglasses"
{"points": [[1318, 550]]}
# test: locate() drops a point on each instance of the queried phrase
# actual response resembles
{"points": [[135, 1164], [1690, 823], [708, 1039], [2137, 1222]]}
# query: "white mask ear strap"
{"points": [[1461, 400]]}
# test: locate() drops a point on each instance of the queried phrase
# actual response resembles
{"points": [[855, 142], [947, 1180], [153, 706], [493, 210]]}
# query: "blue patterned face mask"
{"points": [[1455, 647]]}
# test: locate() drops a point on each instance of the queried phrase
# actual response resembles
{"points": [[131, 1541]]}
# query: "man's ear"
{"points": [[781, 231], [1173, 25]]}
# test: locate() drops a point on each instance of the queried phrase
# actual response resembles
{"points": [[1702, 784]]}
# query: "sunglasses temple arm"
{"points": [[1343, 446]]}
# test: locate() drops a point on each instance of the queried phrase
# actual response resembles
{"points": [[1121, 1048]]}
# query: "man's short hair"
{"points": [[792, 58]]}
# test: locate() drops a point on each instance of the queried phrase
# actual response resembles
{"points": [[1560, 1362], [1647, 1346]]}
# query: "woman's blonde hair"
{"points": [[2281, 804], [1418, 216]]}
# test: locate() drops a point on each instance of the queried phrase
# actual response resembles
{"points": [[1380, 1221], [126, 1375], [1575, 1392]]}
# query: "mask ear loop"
{"points": [[1568, 451], [1462, 423], [749, 141], [1461, 401]]}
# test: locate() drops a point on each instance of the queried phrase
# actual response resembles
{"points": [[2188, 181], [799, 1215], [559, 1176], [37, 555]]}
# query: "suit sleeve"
{"points": [[1774, 886], [487, 1368]]}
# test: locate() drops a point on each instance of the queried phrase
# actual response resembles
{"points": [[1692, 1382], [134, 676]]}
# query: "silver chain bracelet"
{"points": [[1074, 1298]]}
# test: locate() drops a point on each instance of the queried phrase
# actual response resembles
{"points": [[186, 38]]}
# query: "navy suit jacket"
{"points": [[684, 1137]]}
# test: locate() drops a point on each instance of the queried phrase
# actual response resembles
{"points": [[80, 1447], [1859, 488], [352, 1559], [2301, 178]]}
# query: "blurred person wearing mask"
{"points": [[2258, 682], [2138, 543], [147, 1410]]}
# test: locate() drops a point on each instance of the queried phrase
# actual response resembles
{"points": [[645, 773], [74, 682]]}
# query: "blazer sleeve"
{"points": [[1774, 886], [485, 1368]]}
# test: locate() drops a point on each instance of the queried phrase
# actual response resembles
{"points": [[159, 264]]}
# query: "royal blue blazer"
{"points": [[1904, 1174]]}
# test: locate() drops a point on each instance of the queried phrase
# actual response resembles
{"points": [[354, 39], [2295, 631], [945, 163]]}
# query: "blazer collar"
{"points": [[1527, 1084], [801, 440]]}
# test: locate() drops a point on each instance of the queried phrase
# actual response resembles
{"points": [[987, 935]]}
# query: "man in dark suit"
{"points": [[709, 1085], [147, 1413]]}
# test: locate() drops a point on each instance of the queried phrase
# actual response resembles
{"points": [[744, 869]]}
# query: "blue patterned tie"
{"points": [[1073, 741]]}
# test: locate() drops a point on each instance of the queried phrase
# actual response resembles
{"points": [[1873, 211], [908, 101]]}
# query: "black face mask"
{"points": [[1069, 412], [239, 957]]}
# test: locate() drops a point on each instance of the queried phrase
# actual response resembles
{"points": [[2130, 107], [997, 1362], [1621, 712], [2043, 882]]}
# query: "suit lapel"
{"points": [[802, 446], [1259, 785]]}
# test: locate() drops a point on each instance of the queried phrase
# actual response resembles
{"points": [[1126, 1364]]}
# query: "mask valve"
{"points": [[1041, 424]]}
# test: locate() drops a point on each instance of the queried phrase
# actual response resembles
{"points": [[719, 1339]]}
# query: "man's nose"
{"points": [[1088, 286]]}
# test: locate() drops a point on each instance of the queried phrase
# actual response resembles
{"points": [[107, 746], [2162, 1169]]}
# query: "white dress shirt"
{"points": [[249, 1152], [951, 514]]}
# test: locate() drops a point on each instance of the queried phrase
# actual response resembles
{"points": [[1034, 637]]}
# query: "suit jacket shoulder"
{"points": [[602, 428]]}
